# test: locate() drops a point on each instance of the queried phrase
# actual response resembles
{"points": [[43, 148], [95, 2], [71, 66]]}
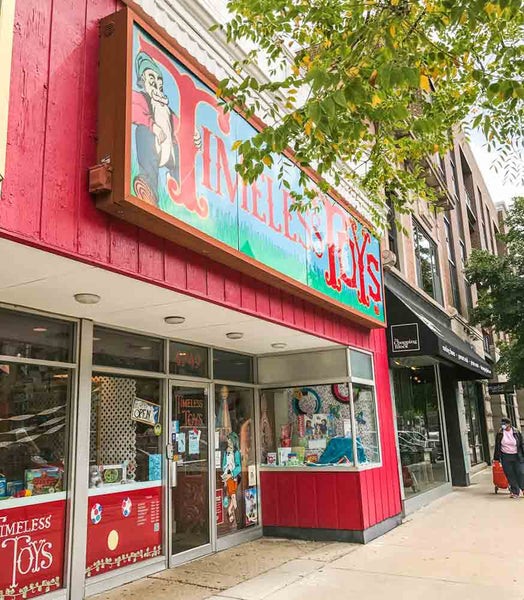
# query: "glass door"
{"points": [[189, 471]]}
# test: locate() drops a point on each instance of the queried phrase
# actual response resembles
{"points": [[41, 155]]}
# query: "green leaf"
{"points": [[328, 106]]}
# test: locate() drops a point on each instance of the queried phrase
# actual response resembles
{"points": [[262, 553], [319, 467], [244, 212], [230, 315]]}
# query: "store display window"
{"points": [[188, 360], [322, 425], [125, 472], [28, 335], [235, 459], [419, 427], [229, 366], [35, 405], [114, 348]]}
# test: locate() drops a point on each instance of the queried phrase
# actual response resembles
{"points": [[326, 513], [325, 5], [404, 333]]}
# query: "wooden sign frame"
{"points": [[114, 149]]}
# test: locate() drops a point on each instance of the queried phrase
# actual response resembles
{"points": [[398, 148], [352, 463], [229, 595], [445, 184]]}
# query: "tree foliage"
{"points": [[376, 84], [500, 283]]}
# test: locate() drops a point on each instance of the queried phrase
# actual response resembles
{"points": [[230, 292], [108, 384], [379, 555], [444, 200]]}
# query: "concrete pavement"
{"points": [[468, 545]]}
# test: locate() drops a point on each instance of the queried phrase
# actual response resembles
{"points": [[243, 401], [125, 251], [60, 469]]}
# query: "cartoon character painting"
{"points": [[156, 131], [232, 468]]}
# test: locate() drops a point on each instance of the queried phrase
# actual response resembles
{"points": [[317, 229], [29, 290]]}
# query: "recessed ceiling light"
{"points": [[145, 347], [174, 320], [235, 335], [39, 329], [95, 339], [87, 298], [278, 345], [181, 353]]}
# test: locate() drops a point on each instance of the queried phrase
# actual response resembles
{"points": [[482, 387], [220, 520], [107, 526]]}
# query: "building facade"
{"points": [[448, 400], [184, 363]]}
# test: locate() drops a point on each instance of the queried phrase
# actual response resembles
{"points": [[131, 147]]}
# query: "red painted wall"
{"points": [[351, 500], [45, 203], [52, 142]]}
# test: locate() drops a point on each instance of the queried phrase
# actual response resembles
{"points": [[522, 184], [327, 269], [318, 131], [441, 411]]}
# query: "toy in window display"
{"points": [[223, 424], [266, 432], [232, 468], [285, 435]]}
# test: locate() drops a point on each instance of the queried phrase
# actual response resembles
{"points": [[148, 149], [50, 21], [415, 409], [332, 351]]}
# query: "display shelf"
{"points": [[123, 487], [30, 500], [329, 468]]}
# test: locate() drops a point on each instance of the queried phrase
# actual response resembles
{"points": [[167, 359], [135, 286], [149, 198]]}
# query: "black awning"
{"points": [[412, 331]]}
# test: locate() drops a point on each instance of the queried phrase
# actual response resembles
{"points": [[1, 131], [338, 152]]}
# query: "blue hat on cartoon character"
{"points": [[143, 62]]}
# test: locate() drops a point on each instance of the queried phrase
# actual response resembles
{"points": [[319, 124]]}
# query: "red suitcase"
{"points": [[499, 479]]}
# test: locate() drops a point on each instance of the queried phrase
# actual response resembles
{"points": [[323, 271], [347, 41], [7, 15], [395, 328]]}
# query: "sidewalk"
{"points": [[468, 546]]}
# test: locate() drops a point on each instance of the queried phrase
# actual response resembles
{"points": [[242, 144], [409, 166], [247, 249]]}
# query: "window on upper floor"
{"points": [[451, 263], [392, 229], [428, 274]]}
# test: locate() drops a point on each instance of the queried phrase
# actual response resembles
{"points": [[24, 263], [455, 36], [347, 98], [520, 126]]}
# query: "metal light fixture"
{"points": [[87, 298], [174, 320], [278, 345], [235, 335]]}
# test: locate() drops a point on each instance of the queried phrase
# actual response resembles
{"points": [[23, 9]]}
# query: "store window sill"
{"points": [[322, 469], [123, 487], [29, 500]]}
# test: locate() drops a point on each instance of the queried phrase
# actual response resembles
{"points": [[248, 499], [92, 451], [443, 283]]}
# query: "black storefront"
{"points": [[427, 361]]}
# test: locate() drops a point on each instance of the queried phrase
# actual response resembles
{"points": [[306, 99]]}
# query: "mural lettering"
{"points": [[182, 162]]}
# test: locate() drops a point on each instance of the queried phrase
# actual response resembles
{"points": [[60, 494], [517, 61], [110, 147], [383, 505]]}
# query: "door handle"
{"points": [[173, 468], [169, 451]]}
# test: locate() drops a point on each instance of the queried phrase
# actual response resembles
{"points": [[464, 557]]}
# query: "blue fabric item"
{"points": [[340, 447], [238, 464]]}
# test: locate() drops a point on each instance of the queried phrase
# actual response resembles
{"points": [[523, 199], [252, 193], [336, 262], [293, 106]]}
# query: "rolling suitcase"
{"points": [[499, 479]]}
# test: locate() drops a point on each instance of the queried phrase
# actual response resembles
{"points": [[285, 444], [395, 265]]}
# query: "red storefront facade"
{"points": [[47, 212]]}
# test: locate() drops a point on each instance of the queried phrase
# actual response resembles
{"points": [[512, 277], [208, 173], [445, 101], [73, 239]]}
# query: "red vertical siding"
{"points": [[52, 141]]}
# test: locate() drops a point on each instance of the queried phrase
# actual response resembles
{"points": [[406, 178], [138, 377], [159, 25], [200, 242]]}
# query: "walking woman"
{"points": [[509, 450]]}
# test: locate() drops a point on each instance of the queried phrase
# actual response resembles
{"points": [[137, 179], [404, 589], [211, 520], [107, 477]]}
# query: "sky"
{"points": [[495, 181]]}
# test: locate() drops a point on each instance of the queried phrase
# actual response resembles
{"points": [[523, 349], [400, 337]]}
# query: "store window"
{"points": [[121, 349], [472, 392], [428, 275], [188, 360], [125, 472], [235, 459], [419, 427], [28, 335], [229, 366], [313, 425], [35, 405]]}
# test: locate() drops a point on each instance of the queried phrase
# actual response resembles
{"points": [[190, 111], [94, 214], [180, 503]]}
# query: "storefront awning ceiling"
{"points": [[413, 332], [44, 281]]}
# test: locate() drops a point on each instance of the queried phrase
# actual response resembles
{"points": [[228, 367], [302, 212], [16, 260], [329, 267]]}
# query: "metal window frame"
{"points": [[76, 584], [109, 580], [349, 380], [70, 528]]}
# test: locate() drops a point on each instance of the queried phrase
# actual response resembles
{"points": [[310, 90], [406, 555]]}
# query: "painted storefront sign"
{"points": [[166, 164], [183, 163], [124, 527], [32, 549]]}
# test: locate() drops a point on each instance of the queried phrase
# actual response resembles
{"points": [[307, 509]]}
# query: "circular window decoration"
{"points": [[96, 513], [306, 401], [112, 540], [339, 394], [127, 505]]}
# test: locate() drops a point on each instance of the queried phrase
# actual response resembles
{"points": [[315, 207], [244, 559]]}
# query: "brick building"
{"points": [[446, 418]]}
